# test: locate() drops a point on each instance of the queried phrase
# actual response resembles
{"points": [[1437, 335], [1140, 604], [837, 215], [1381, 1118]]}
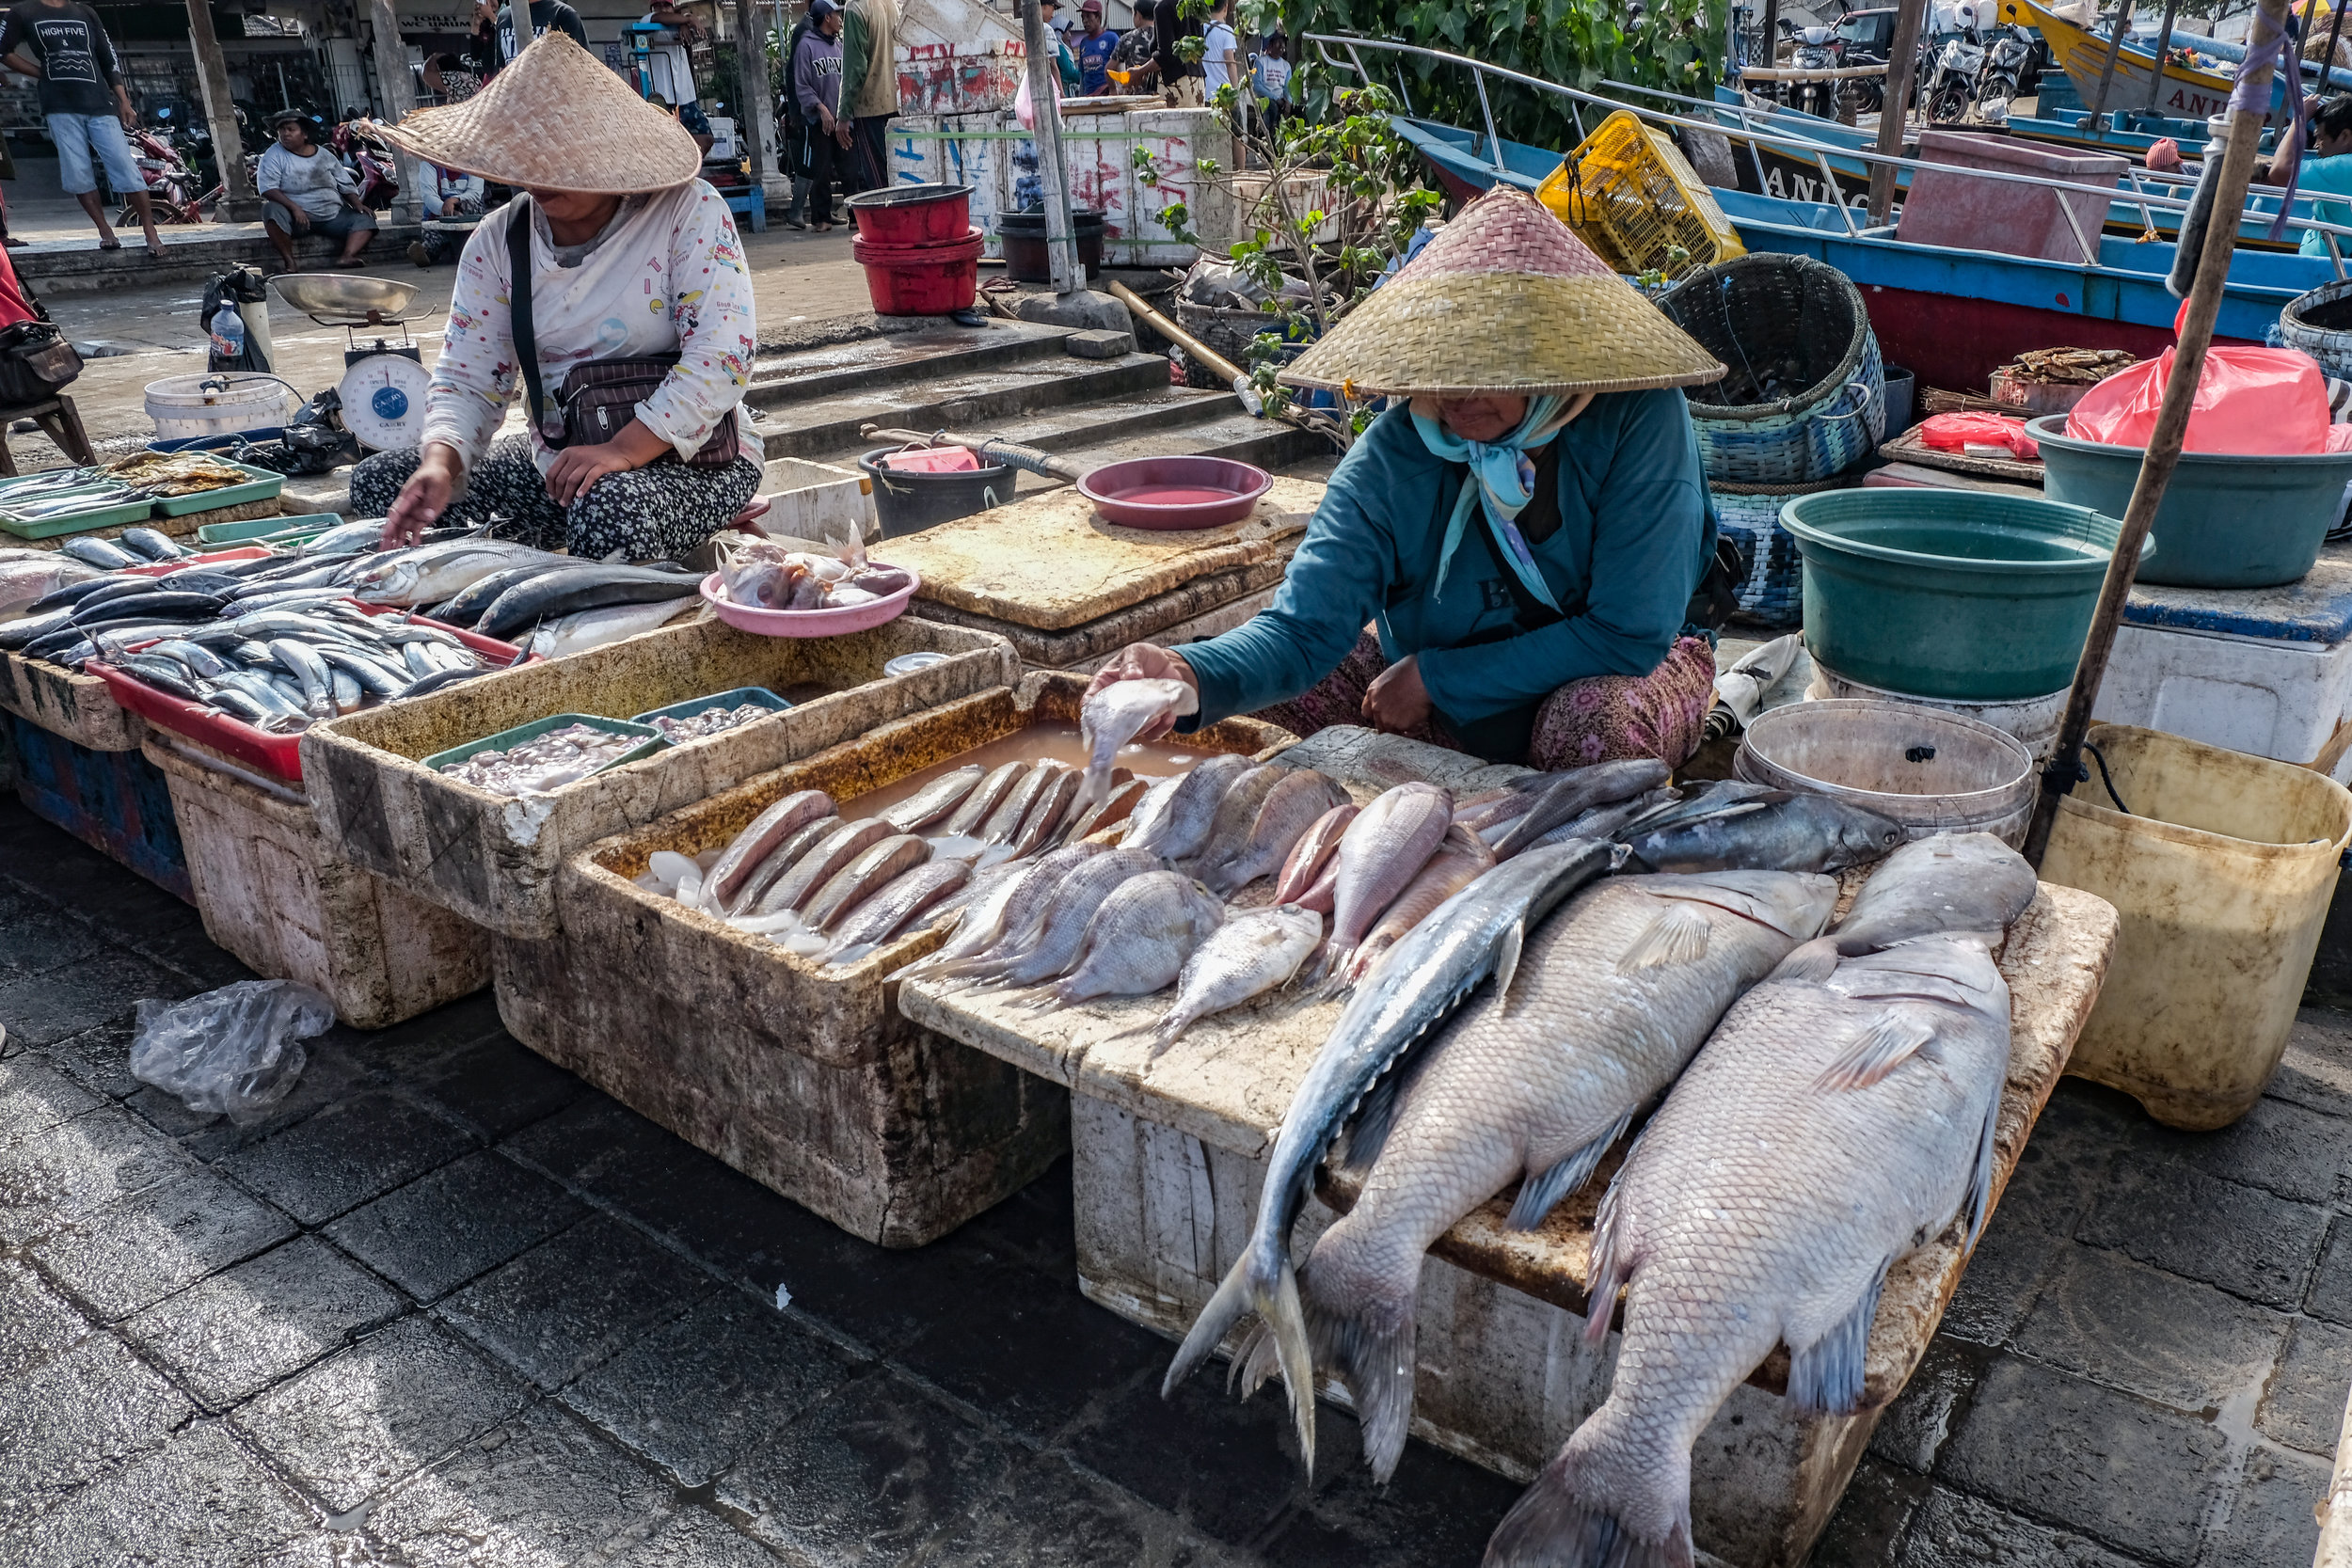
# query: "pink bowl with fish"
{"points": [[810, 622]]}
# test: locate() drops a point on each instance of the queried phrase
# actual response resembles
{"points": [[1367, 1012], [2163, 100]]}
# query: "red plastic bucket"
{"points": [[912, 215], [924, 279]]}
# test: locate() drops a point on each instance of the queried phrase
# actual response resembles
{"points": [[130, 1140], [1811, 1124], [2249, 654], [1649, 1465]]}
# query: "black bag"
{"points": [[35, 363], [599, 397]]}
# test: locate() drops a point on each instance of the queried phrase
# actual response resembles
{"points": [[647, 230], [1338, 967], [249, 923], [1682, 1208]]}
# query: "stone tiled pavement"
{"points": [[448, 1304]]}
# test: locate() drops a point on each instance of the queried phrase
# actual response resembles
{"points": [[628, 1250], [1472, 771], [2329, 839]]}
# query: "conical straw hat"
{"points": [[556, 119], [1504, 299]]}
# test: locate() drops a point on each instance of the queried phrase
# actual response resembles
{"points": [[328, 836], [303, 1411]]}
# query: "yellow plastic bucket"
{"points": [[2222, 870]]}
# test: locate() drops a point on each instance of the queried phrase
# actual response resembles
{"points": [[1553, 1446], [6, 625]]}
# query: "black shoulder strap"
{"points": [[518, 220]]}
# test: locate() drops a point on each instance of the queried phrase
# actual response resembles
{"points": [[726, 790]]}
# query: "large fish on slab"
{"points": [[1937, 886], [1181, 826], [1827, 1129], [1380, 854], [1140, 941], [1573, 793], [1297, 801], [1476, 933], [1247, 957], [1076, 901], [431, 573], [1614, 993], [1229, 827], [1794, 832], [1116, 715]]}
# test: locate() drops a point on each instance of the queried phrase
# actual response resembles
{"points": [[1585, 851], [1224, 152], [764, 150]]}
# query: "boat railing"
{"points": [[2334, 236]]}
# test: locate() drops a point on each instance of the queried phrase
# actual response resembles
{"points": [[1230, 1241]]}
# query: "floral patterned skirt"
{"points": [[1600, 718]]}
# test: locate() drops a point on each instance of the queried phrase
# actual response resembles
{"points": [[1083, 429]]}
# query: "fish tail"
{"points": [[1367, 1340], [1247, 1289], [1608, 1500]]}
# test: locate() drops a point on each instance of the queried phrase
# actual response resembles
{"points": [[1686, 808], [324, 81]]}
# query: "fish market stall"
{"points": [[799, 1071], [1069, 590], [1173, 1147]]}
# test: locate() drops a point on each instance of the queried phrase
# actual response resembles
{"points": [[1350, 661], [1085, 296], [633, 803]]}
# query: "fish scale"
{"points": [[1763, 1205]]}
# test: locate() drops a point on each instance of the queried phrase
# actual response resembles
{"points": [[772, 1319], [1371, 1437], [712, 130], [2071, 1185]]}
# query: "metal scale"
{"points": [[384, 382]]}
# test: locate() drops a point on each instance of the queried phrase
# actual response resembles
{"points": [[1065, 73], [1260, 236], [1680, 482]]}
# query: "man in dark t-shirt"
{"points": [[544, 15], [83, 104]]}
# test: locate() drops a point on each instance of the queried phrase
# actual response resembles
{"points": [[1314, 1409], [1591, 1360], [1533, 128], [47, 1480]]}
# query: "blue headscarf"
{"points": [[1502, 481]]}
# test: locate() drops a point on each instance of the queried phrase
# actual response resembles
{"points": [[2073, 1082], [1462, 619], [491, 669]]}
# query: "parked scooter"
{"points": [[1816, 49], [1952, 87], [356, 144], [172, 187], [2004, 67]]}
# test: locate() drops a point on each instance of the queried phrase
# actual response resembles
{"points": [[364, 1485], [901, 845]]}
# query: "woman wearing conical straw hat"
{"points": [[638, 312], [1505, 561]]}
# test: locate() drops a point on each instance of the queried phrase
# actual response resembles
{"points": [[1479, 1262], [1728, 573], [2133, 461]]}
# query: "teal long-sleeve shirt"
{"points": [[1634, 536]]}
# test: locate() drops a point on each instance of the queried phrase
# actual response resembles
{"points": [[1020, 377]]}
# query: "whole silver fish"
{"points": [[1610, 821], [1152, 807], [1024, 910], [1935, 886], [1476, 933], [1579, 791], [1313, 853], [759, 838], [303, 662], [1380, 854], [1114, 808], [1049, 810], [1247, 956], [985, 797], [1228, 825], [1798, 832], [813, 870], [1006, 819], [934, 801], [877, 866], [1116, 715], [892, 908], [1297, 801], [1461, 858], [1075, 900], [978, 909], [431, 573], [782, 859], [1139, 940], [1614, 994], [1183, 824], [1826, 1130]]}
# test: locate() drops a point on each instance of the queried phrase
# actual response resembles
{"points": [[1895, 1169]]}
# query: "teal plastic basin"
{"points": [[2226, 521], [1949, 594]]}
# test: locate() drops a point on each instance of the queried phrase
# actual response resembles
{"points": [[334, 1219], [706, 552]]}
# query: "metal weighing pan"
{"points": [[340, 299]]}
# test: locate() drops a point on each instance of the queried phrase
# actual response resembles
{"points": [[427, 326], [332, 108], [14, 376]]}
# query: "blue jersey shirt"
{"points": [[1094, 58], [1634, 537], [2326, 177]]}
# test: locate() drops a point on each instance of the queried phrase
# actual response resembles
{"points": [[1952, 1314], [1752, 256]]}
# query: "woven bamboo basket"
{"points": [[1806, 396], [1771, 574], [2320, 324]]}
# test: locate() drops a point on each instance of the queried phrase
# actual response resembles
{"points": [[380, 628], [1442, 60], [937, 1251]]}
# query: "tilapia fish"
{"points": [[1139, 940], [1935, 886], [1793, 833], [1181, 826], [1380, 854], [1613, 995], [1116, 715], [1476, 933], [1461, 858], [1827, 1129], [1313, 853], [1297, 801], [1247, 956]]}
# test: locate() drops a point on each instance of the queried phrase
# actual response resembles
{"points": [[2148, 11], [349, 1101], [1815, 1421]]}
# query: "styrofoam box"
{"points": [[2269, 698]]}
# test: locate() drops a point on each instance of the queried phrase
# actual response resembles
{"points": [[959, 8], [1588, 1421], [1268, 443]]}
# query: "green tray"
{"points": [[254, 530], [265, 487], [79, 522], [505, 739]]}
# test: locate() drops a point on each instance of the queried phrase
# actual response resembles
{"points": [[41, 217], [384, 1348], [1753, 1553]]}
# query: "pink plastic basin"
{"points": [[1175, 492], [808, 622]]}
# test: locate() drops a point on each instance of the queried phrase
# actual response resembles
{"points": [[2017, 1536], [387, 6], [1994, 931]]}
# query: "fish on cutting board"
{"points": [[1379, 855], [1249, 955], [1139, 940]]}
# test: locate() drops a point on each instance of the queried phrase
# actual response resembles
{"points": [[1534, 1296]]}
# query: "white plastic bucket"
{"points": [[183, 407]]}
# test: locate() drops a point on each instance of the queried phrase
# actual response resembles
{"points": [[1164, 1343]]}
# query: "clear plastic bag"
{"points": [[2257, 401], [236, 1050]]}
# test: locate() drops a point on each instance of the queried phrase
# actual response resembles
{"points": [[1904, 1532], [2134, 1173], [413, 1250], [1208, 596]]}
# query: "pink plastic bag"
{"points": [[933, 460], [1963, 433], [2255, 402]]}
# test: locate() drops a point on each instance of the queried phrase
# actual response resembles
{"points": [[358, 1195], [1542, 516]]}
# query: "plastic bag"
{"points": [[2252, 401], [1978, 433], [1025, 107], [238, 1049]]}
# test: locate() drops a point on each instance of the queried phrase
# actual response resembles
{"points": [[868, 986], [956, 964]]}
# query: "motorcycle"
{"points": [[1815, 49], [173, 190], [356, 144], [1953, 85], [2004, 67]]}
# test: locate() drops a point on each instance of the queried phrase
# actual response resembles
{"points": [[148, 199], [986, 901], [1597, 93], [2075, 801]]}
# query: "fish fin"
{"points": [[1254, 1362], [1540, 1193], [1376, 1361], [1885, 1045], [1507, 963], [1228, 1306], [1375, 1114], [1679, 935], [1810, 961], [1610, 1268], [1977, 1203], [1575, 1514], [1826, 1377], [1282, 1319]]}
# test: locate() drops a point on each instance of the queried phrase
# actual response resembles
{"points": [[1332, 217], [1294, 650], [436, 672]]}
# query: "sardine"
{"points": [[1183, 824], [1476, 933], [985, 797], [1826, 1130], [1796, 832], [1139, 940], [1297, 801], [875, 867], [838, 849], [1116, 715], [783, 858], [934, 801], [1076, 901], [1576, 792], [1381, 852], [1046, 814], [1006, 819], [1313, 853], [1461, 858], [893, 908], [1026, 902], [1615, 993], [758, 840], [1247, 957]]}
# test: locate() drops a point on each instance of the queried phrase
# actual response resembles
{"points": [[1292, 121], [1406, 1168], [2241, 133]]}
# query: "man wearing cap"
{"points": [[1065, 63], [1095, 47], [1505, 561], [869, 87], [307, 190], [611, 294]]}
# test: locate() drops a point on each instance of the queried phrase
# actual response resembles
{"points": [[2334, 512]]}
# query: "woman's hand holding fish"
{"points": [[424, 498], [1141, 661]]}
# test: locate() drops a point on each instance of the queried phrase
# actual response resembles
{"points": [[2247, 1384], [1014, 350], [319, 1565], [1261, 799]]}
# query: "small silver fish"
{"points": [[985, 797], [1248, 955], [1116, 714], [1116, 807], [1183, 824], [934, 801], [1140, 938], [813, 870]]}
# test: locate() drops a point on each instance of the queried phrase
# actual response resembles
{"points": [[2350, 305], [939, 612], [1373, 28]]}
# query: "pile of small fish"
{"points": [[709, 722], [548, 603], [174, 473], [59, 492], [545, 762], [760, 574]]}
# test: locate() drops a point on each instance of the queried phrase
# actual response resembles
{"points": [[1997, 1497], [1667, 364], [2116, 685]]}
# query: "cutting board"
{"points": [[1048, 562]]}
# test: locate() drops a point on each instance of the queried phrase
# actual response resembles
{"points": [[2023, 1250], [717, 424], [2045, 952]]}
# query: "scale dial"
{"points": [[384, 401]]}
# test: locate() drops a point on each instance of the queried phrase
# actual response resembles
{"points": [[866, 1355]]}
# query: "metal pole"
{"points": [[2164, 443], [2328, 61], [400, 96], [1771, 33], [238, 203], [1902, 54], [2163, 41], [2115, 52], [1061, 241]]}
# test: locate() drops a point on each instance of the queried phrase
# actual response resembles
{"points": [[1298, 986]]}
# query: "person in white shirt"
{"points": [[630, 256], [669, 63], [307, 190], [1220, 55]]}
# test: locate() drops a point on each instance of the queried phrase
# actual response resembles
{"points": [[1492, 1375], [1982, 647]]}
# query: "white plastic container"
{"points": [[186, 406], [2265, 697], [2033, 720]]}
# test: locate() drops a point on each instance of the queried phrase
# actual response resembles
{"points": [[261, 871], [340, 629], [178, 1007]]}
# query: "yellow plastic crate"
{"points": [[1628, 192]]}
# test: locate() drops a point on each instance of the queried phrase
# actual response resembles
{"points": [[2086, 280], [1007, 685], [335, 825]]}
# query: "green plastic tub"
{"points": [[1949, 594], [265, 485], [137, 510], [505, 739], [306, 525], [2226, 521]]}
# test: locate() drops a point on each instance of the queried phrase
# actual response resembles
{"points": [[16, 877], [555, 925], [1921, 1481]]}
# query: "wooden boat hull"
{"points": [[2185, 93]]}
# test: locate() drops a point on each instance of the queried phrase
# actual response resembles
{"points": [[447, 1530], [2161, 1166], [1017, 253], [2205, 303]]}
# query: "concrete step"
{"points": [[801, 377], [191, 256], [1065, 429], [983, 401]]}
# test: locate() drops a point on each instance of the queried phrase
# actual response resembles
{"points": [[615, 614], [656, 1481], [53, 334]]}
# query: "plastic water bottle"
{"points": [[228, 334]]}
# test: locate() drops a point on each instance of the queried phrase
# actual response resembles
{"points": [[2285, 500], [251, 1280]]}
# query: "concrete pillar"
{"points": [[399, 95], [238, 204], [756, 105]]}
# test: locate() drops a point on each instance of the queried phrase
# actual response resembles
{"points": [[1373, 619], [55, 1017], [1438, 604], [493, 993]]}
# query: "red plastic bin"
{"points": [[165, 568], [278, 755], [922, 281], [912, 215]]}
